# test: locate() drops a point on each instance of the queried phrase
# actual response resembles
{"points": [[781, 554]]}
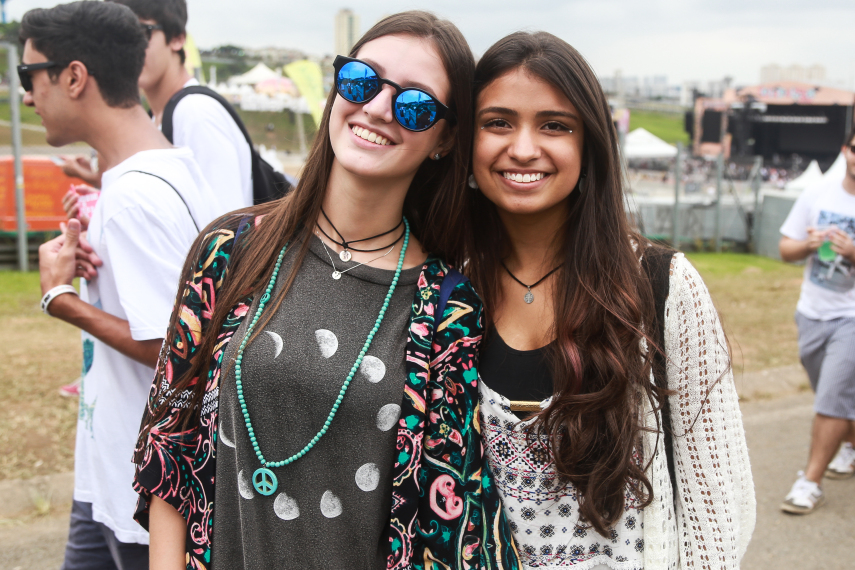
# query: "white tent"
{"points": [[837, 170], [255, 75], [808, 178], [641, 143]]}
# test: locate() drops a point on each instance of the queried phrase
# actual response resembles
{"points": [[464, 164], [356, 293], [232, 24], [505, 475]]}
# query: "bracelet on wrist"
{"points": [[53, 294]]}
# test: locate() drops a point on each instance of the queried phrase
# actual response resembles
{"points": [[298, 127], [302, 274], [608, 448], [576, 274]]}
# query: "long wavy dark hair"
{"points": [[433, 206], [601, 374]]}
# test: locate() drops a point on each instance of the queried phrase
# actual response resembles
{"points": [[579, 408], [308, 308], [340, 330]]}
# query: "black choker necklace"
{"points": [[529, 297], [344, 254]]}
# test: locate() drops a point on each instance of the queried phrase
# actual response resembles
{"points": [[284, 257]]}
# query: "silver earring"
{"points": [[437, 156], [472, 182]]}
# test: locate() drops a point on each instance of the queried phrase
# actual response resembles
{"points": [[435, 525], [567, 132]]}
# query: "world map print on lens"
{"points": [[836, 275]]}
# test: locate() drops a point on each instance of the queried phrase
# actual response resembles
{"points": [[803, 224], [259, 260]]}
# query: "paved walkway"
{"points": [[778, 437], [778, 433]]}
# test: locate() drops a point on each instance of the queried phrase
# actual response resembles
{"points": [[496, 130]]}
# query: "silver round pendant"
{"points": [[336, 275], [345, 255], [529, 298]]}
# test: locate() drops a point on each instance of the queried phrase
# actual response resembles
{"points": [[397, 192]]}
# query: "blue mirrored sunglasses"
{"points": [[414, 109]]}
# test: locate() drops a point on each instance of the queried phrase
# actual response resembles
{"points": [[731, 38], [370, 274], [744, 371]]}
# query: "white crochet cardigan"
{"points": [[715, 507], [715, 510]]}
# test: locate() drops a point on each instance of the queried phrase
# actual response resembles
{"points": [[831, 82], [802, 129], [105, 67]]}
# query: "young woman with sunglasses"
{"points": [[286, 427], [575, 302]]}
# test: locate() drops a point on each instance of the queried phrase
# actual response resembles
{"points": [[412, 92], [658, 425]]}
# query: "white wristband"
{"points": [[53, 294]]}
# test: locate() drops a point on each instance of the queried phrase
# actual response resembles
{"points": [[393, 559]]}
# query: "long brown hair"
{"points": [[601, 375], [433, 206]]}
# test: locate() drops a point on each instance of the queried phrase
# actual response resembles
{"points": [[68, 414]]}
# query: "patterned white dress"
{"points": [[543, 513]]}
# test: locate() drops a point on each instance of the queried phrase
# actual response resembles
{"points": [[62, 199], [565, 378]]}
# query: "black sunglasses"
{"points": [[25, 69], [414, 109], [852, 148], [149, 29]]}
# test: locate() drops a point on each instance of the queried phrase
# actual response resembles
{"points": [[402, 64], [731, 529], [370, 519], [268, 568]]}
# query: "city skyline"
{"points": [[686, 41]]}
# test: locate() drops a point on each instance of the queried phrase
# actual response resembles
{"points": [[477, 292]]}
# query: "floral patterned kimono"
{"points": [[446, 512]]}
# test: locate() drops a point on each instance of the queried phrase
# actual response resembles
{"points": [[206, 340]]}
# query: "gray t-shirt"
{"points": [[331, 508]]}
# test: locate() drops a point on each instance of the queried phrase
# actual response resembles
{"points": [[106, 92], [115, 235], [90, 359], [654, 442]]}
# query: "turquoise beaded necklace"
{"points": [[264, 480]]}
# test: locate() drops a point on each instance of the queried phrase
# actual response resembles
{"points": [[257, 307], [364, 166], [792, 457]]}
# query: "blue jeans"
{"points": [[93, 546]]}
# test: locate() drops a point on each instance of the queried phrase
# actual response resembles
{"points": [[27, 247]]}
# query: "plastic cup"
{"points": [[825, 252]]}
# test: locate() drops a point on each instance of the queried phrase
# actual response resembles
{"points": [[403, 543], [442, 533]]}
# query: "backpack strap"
{"points": [[165, 181], [451, 280], [167, 125], [657, 266]]}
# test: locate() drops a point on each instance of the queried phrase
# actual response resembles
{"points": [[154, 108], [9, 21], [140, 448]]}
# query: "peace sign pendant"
{"points": [[264, 480]]}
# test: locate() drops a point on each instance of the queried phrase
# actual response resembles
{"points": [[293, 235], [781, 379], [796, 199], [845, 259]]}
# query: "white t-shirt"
{"points": [[205, 127], [142, 231], [828, 288]]}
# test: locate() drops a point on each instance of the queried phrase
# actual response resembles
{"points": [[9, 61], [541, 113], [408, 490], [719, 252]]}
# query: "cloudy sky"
{"points": [[683, 39]]}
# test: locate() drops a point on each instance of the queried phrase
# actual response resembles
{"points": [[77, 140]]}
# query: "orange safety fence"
{"points": [[44, 186]]}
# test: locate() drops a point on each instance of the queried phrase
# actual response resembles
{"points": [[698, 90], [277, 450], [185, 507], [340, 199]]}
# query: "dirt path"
{"points": [[778, 433], [778, 438], [38, 543]]}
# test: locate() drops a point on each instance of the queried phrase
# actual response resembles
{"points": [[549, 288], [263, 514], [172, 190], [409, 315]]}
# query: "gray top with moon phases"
{"points": [[331, 508]]}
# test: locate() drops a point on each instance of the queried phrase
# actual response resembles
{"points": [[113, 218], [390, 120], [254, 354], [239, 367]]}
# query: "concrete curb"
{"points": [[20, 497]]}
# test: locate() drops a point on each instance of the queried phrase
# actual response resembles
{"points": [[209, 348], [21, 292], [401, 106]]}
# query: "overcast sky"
{"points": [[683, 39]]}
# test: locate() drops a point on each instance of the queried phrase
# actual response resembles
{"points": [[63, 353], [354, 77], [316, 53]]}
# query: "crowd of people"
{"points": [[444, 347]]}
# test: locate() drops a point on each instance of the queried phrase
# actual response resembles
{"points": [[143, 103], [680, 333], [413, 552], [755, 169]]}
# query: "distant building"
{"points": [[774, 120], [774, 73], [347, 31], [689, 91], [652, 87]]}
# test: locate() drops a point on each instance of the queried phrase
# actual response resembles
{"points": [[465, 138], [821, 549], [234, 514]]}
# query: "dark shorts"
{"points": [[827, 351], [93, 546]]}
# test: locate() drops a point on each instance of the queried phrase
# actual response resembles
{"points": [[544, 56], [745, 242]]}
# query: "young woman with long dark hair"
{"points": [[612, 468], [308, 410]]}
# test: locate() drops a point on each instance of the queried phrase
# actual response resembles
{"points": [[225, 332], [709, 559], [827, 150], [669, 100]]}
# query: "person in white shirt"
{"points": [[821, 229], [199, 122], [80, 67]]}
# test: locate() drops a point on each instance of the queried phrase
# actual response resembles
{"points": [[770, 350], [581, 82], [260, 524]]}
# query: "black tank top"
{"points": [[524, 375]]}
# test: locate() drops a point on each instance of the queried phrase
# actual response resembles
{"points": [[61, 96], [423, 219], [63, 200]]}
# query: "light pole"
{"points": [[20, 210]]}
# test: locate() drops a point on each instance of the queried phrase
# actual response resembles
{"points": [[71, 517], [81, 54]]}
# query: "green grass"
{"points": [[756, 297], [283, 136], [40, 354], [284, 133], [20, 292], [28, 114], [28, 117], [730, 264], [666, 126]]}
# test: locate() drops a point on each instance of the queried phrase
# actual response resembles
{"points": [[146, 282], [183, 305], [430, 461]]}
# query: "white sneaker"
{"points": [[804, 497], [843, 464]]}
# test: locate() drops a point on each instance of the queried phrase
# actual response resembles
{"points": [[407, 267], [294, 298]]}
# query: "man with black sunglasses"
{"points": [[199, 122], [81, 62], [821, 229]]}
